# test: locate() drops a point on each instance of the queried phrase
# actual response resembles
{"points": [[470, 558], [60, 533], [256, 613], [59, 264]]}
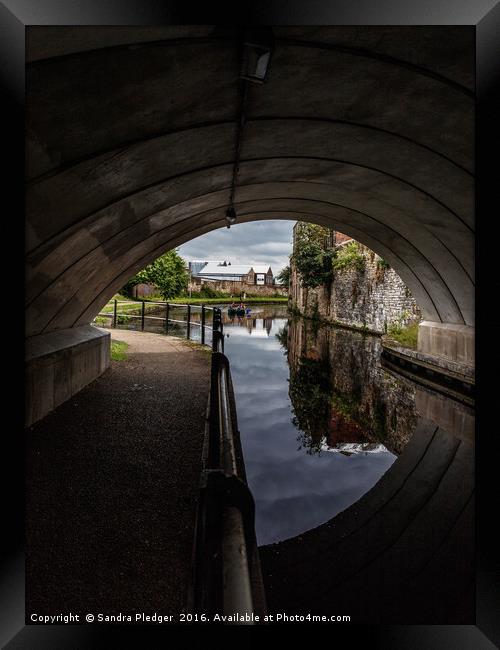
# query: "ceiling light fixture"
{"points": [[257, 52], [230, 217]]}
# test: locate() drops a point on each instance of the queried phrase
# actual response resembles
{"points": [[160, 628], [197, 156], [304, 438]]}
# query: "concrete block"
{"points": [[59, 364], [448, 341]]}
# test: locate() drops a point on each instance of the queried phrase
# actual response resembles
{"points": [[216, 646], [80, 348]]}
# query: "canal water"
{"points": [[320, 420]]}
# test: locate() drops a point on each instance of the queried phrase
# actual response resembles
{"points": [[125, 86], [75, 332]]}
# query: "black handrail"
{"points": [[166, 318], [226, 570]]}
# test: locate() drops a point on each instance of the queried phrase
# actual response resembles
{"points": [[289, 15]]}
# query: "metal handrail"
{"points": [[225, 547], [143, 315]]}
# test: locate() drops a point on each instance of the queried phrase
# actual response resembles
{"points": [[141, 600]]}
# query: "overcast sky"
{"points": [[258, 242]]}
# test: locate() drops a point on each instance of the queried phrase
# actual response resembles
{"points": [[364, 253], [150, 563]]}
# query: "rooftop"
{"points": [[214, 268]]}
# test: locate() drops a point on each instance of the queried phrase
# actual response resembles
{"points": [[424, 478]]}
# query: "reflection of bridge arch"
{"points": [[402, 553], [131, 149]]}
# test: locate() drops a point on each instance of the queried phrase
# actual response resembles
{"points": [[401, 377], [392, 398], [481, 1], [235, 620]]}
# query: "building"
{"points": [[235, 279], [255, 274], [260, 275], [195, 266]]}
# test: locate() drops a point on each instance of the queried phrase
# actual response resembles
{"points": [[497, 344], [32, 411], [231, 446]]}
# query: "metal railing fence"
{"points": [[121, 316]]}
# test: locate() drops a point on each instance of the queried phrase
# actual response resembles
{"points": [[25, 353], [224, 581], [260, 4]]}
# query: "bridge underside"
{"points": [[133, 135]]}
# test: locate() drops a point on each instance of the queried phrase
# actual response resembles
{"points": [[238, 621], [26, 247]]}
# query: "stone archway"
{"points": [[133, 136]]}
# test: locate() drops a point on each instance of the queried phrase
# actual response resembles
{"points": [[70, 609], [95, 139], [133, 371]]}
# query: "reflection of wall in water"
{"points": [[338, 389]]}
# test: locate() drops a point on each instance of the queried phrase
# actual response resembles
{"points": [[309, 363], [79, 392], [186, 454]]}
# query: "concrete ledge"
{"points": [[448, 341], [455, 418], [452, 379], [445, 366], [59, 364]]}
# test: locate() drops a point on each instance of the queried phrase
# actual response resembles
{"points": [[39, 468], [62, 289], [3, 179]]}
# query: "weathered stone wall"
{"points": [[373, 298], [143, 290], [236, 288]]}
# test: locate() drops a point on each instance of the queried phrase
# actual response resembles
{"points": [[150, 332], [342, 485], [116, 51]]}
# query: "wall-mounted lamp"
{"points": [[257, 51], [230, 217]]}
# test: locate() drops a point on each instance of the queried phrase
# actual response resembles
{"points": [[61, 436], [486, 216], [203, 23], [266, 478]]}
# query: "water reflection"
{"points": [[320, 421], [340, 394]]}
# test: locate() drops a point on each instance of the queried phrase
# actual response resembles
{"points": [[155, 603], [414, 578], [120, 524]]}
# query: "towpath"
{"points": [[112, 478]]}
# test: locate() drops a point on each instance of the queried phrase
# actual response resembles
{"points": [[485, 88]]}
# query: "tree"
{"points": [[167, 273], [313, 263], [284, 276], [313, 254]]}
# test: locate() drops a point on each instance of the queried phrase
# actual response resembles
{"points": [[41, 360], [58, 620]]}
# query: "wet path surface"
{"points": [[112, 478]]}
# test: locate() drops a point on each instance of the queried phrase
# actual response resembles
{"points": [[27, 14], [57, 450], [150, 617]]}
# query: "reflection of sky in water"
{"points": [[294, 491]]}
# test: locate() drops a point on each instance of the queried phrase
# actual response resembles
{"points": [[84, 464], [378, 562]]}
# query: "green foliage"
{"points": [[310, 390], [405, 336], [208, 291], [167, 272], [249, 300], [313, 255], [346, 405], [310, 232], [349, 257], [119, 350], [314, 264], [282, 336], [383, 264], [284, 276]]}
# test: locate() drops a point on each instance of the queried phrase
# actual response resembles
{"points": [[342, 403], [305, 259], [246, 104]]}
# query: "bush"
{"points": [[284, 276], [167, 273], [383, 264], [207, 291], [405, 336], [314, 264], [349, 257]]}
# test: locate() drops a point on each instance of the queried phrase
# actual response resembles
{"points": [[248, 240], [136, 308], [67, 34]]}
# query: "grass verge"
{"points": [[405, 336], [128, 305], [119, 350]]}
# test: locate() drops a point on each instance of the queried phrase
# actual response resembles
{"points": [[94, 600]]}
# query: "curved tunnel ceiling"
{"points": [[131, 150]]}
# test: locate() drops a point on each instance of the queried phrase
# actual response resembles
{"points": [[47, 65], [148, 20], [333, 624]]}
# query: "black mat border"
{"points": [[485, 16]]}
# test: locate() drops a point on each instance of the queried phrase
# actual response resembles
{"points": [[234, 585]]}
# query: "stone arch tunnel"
{"points": [[139, 139]]}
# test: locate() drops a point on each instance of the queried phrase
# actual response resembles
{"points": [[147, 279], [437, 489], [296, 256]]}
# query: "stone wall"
{"points": [[373, 298], [144, 290], [236, 288]]}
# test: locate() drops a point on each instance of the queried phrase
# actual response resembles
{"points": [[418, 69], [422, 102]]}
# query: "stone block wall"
{"points": [[374, 298], [236, 288]]}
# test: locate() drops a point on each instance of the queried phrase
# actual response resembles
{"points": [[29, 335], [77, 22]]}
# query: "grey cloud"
{"points": [[262, 242]]}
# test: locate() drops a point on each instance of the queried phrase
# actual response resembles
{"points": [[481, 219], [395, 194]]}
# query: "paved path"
{"points": [[112, 479]]}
